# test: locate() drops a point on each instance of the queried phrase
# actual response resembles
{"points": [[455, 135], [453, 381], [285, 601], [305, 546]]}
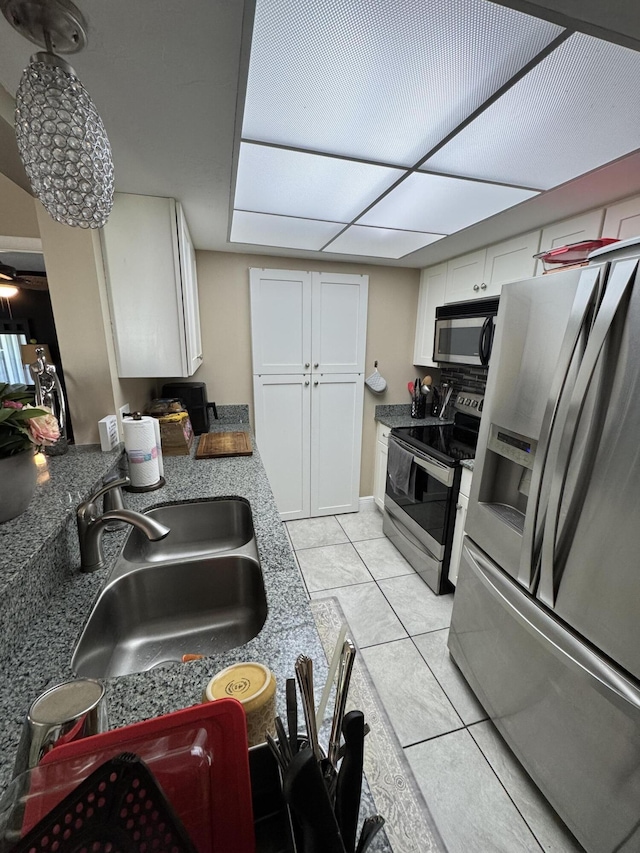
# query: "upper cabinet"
{"points": [[433, 282], [474, 276], [465, 277], [304, 322], [481, 274], [511, 260], [152, 286], [622, 220], [588, 226]]}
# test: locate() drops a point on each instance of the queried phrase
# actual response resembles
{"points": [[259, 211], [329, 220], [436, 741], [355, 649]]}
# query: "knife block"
{"points": [[419, 407]]}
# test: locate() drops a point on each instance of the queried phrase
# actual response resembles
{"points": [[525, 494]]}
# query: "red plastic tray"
{"points": [[199, 756], [574, 252]]}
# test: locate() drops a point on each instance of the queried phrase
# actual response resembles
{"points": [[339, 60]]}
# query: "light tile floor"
{"points": [[481, 799]]}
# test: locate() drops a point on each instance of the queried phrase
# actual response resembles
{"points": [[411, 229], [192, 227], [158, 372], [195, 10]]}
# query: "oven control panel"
{"points": [[470, 404]]}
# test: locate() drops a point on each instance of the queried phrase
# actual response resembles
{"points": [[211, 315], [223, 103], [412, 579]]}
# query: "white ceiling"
{"points": [[169, 80]]}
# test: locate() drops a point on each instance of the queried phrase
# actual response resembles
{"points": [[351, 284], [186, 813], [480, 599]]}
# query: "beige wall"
{"points": [[75, 272], [17, 211], [223, 284]]}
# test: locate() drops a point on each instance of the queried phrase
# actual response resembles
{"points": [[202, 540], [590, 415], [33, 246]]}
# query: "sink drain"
{"points": [[164, 664]]}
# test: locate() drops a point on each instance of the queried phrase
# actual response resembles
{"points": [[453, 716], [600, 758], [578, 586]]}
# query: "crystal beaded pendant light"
{"points": [[61, 138]]}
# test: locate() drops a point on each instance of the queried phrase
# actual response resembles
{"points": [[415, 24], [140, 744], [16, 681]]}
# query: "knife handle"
{"points": [[349, 785]]}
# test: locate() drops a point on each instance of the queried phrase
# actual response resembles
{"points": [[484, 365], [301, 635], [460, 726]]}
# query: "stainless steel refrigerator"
{"points": [[546, 614]]}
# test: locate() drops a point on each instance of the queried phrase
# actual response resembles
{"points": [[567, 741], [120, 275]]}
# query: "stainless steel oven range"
{"points": [[423, 479]]}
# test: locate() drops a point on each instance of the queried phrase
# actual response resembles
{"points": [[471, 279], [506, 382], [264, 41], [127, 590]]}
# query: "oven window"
{"points": [[459, 340], [428, 504]]}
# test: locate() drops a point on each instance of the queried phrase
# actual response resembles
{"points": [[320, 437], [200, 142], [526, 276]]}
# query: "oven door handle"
{"points": [[436, 469]]}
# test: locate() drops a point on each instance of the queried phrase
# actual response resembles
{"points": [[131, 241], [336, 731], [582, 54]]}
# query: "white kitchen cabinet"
{"points": [[433, 282], [380, 468], [465, 275], [339, 322], [477, 275], [622, 220], [481, 274], [152, 288], [282, 414], [511, 260], [336, 442], [280, 321], [588, 226], [462, 505], [309, 332], [302, 321]]}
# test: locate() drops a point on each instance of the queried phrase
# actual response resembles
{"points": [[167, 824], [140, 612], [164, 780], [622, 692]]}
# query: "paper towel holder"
{"points": [[137, 416]]}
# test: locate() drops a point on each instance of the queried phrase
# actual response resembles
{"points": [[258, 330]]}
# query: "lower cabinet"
{"points": [[380, 470], [309, 434], [461, 518]]}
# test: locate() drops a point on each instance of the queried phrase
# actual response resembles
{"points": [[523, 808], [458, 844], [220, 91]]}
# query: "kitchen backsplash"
{"points": [[465, 378]]}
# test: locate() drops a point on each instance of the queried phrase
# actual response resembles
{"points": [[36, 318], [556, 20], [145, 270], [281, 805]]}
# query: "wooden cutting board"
{"points": [[217, 444]]}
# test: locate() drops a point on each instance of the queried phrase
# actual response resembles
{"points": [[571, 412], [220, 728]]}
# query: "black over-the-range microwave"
{"points": [[464, 332]]}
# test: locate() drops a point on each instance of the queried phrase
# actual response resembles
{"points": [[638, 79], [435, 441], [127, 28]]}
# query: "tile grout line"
{"points": [[464, 726], [501, 783]]}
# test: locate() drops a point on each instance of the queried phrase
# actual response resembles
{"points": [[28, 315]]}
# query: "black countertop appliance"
{"points": [[194, 398]]}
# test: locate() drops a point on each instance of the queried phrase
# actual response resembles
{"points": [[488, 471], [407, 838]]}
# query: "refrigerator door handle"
{"points": [[554, 548], [573, 651], [581, 312]]}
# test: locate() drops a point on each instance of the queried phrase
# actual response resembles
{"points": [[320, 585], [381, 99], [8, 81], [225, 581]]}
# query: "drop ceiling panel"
{"points": [[578, 109], [292, 183], [380, 242], [383, 81], [441, 205], [285, 231]]}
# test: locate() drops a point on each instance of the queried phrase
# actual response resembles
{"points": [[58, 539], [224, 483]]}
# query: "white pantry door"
{"points": [[283, 429], [339, 322], [280, 321], [336, 440]]}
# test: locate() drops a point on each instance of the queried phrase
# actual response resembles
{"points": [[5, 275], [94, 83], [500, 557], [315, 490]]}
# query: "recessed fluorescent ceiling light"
{"points": [[380, 80], [577, 110], [266, 230], [272, 180], [440, 204], [380, 242]]}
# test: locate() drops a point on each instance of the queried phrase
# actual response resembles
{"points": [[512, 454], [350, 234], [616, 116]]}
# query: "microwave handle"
{"points": [[486, 339]]}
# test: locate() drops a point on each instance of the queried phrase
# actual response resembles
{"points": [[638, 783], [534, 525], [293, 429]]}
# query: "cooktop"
{"points": [[449, 443]]}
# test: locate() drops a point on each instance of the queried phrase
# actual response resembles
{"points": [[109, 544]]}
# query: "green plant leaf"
{"points": [[20, 415]]}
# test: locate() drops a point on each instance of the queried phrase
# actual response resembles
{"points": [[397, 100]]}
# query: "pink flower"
{"points": [[43, 429], [12, 404]]}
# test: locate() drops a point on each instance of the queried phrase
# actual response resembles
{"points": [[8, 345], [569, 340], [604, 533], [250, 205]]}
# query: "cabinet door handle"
{"points": [[306, 364], [307, 382], [475, 287], [317, 364], [483, 286], [316, 382]]}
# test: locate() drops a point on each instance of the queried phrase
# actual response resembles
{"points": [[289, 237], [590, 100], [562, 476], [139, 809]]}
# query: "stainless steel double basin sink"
{"points": [[199, 590]]}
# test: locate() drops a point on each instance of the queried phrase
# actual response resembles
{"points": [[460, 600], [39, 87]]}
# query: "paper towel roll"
{"points": [[142, 449]]}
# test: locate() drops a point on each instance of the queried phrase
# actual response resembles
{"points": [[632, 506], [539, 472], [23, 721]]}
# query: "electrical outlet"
{"points": [[121, 412]]}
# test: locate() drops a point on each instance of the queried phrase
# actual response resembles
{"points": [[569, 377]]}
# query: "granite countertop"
{"points": [[46, 600], [399, 415]]}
